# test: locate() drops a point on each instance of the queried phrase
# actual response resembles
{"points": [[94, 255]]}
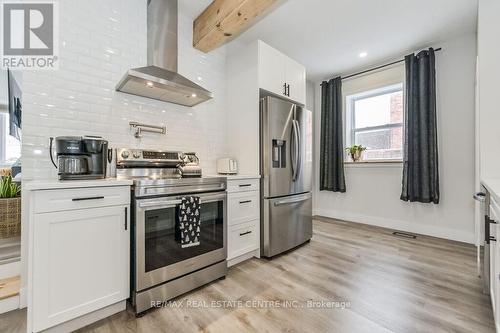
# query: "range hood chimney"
{"points": [[159, 79]]}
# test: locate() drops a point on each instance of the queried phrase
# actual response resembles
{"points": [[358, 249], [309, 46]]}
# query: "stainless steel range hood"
{"points": [[159, 79]]}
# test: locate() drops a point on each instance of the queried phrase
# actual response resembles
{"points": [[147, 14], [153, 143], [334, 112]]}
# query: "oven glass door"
{"points": [[160, 254], [163, 239]]}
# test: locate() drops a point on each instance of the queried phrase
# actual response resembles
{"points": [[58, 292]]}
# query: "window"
{"points": [[374, 119], [10, 148]]}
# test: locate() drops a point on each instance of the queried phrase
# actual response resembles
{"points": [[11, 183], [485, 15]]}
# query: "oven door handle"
{"points": [[159, 203], [205, 198]]}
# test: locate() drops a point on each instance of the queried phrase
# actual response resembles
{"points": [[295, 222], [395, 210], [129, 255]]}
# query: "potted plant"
{"points": [[356, 152], [10, 208]]}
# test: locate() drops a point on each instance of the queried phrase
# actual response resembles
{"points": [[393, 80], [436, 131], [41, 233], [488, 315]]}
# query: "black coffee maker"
{"points": [[80, 158]]}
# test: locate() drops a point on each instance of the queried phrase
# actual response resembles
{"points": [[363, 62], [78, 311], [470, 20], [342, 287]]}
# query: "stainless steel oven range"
{"points": [[161, 267]]}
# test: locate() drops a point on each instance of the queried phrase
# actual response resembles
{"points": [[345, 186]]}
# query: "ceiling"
{"points": [[327, 36]]}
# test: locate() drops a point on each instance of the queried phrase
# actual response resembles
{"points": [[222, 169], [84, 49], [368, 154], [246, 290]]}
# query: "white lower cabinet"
{"points": [[495, 260], [496, 280], [281, 75], [494, 270], [243, 207], [243, 212], [80, 258], [242, 239], [243, 185]]}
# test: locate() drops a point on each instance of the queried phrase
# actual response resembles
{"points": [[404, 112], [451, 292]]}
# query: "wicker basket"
{"points": [[10, 217]]}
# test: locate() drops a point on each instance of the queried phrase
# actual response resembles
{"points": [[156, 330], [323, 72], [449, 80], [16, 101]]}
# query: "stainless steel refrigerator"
{"points": [[286, 168]]}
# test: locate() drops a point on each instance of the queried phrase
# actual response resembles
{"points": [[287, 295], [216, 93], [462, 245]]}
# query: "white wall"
{"points": [[373, 191], [488, 74], [310, 96], [99, 42]]}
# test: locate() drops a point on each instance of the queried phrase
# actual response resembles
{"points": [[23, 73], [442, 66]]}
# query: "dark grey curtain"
{"points": [[331, 147], [420, 172]]}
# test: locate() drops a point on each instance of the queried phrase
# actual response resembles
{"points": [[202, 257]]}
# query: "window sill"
{"points": [[374, 164]]}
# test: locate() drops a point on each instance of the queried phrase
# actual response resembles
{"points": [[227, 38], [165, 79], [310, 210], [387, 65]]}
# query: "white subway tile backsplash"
{"points": [[99, 41]]}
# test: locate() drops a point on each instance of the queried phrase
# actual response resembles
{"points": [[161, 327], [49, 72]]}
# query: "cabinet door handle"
{"points": [[88, 198], [245, 185], [126, 218], [284, 86], [245, 201], [480, 196], [288, 93], [245, 233]]}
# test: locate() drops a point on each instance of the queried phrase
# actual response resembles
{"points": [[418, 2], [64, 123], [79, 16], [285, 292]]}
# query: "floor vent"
{"points": [[404, 234]]}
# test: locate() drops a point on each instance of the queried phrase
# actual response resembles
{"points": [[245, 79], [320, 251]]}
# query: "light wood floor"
{"points": [[392, 285], [10, 287]]}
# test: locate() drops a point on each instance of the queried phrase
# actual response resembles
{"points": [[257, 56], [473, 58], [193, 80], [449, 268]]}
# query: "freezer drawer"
{"points": [[286, 223]]}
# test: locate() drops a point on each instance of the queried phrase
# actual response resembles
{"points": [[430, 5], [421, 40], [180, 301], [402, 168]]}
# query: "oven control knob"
{"points": [[137, 154], [125, 154]]}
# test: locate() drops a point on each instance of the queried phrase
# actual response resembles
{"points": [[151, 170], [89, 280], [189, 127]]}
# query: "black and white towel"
{"points": [[190, 221]]}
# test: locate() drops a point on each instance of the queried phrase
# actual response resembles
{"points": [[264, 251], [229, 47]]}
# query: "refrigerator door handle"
{"points": [[292, 151], [295, 150], [299, 153]]}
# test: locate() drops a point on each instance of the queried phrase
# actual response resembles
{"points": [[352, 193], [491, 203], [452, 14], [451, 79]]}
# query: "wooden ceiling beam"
{"points": [[223, 20]]}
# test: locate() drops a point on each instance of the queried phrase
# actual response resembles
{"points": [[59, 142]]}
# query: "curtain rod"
{"points": [[378, 67]]}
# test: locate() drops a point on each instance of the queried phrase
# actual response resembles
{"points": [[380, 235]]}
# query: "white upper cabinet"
{"points": [[252, 71], [281, 75], [271, 70], [295, 78]]}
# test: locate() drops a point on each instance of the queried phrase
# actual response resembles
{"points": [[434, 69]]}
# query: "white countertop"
{"points": [[52, 184], [493, 186], [235, 177]]}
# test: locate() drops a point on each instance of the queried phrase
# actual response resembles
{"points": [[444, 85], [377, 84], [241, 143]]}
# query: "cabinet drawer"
{"points": [[80, 198], [243, 207], [243, 185], [242, 239]]}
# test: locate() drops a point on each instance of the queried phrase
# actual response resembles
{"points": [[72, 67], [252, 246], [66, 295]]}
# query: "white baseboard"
{"points": [[10, 270], [428, 230], [9, 304]]}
